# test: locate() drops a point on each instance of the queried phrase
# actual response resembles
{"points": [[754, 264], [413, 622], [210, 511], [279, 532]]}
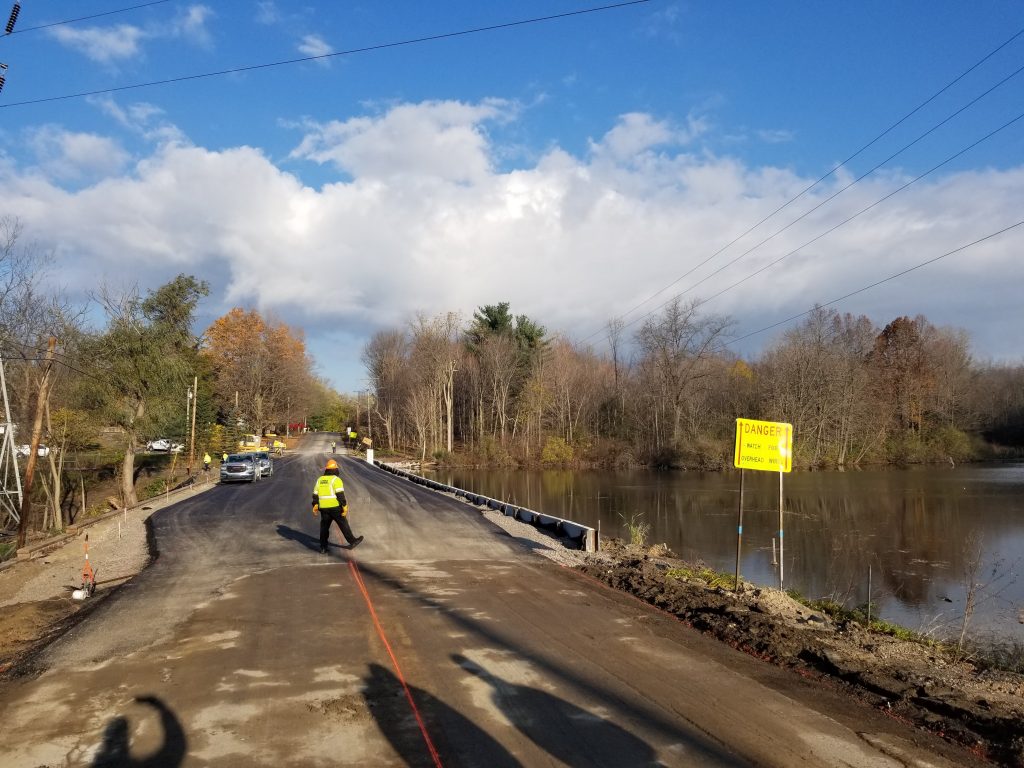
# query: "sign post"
{"points": [[766, 446]]}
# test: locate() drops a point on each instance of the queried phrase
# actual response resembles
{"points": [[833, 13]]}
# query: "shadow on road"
{"points": [[115, 750], [386, 699], [300, 537], [702, 750], [563, 730]]}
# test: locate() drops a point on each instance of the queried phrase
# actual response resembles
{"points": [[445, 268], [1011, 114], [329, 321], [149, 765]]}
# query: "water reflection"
{"points": [[911, 526]]}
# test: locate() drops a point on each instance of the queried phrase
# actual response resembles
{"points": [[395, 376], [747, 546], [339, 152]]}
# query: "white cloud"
{"points": [[191, 24], [141, 118], [427, 222], [775, 136], [314, 45], [102, 44], [637, 133], [68, 156], [436, 140], [267, 13], [108, 45]]}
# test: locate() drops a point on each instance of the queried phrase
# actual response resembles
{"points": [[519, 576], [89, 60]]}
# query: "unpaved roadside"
{"points": [[35, 596]]}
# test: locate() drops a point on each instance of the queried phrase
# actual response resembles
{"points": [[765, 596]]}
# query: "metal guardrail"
{"points": [[584, 536]]}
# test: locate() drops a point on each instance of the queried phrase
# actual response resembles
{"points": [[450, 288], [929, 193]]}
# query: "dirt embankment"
{"points": [[925, 685]]}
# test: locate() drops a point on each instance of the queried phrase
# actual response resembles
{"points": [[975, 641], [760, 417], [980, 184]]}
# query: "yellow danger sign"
{"points": [[764, 445]]}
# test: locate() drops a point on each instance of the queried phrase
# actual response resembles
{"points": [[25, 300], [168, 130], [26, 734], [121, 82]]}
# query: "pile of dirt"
{"points": [[981, 710], [27, 627]]}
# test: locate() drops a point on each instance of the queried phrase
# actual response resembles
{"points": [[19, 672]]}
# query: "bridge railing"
{"points": [[583, 536]]}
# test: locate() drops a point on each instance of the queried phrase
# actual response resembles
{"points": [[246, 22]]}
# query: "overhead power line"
{"points": [[839, 165], [333, 54], [879, 282], [833, 228], [87, 18], [868, 173]]}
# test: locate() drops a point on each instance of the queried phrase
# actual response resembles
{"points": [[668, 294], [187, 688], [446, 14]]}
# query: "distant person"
{"points": [[329, 498], [206, 463], [224, 457], [334, 446]]}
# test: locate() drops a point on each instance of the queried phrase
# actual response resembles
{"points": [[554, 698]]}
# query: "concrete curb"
{"points": [[584, 536], [26, 554]]}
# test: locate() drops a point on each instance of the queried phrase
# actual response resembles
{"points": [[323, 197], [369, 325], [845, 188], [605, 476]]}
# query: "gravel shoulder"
{"points": [[35, 595]]}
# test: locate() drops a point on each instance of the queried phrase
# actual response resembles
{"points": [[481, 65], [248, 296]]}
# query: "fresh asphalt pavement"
{"points": [[439, 641]]}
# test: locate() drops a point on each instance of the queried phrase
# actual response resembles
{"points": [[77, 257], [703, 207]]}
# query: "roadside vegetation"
{"points": [[499, 390], [95, 394]]}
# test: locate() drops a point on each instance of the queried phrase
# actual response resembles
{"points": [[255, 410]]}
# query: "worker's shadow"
{"points": [[465, 743], [305, 539], [300, 537], [115, 750]]}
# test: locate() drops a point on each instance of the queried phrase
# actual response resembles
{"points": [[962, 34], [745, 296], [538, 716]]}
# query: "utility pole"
{"points": [[10, 499], [195, 406], [37, 431], [369, 417]]}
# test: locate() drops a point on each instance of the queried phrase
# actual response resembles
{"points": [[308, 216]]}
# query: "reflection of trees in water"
{"points": [[837, 523]]}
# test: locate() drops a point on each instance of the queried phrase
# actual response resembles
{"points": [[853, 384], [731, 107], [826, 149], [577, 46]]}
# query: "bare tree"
{"points": [[673, 346], [385, 357]]}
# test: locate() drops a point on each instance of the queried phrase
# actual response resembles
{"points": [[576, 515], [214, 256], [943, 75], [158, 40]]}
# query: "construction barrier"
{"points": [[583, 536]]}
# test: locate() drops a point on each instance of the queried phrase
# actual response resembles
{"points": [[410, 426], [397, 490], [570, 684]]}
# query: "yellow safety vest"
{"points": [[327, 489]]}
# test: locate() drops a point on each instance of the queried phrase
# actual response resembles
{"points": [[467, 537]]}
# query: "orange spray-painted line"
{"points": [[394, 662]]}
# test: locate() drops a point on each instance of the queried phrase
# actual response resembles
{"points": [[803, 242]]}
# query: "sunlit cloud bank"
{"points": [[422, 216]]}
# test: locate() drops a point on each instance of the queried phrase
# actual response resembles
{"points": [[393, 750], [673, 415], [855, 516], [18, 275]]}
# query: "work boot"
{"points": [[323, 550], [356, 542]]}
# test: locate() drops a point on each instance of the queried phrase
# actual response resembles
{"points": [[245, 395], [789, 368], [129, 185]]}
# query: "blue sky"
{"points": [[573, 167]]}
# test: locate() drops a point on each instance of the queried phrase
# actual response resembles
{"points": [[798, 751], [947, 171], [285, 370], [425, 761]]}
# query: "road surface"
{"points": [[439, 641]]}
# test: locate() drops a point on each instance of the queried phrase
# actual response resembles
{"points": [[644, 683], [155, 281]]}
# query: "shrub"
{"points": [[154, 488], [667, 457], [495, 453], [637, 529], [707, 575], [952, 443], [556, 451]]}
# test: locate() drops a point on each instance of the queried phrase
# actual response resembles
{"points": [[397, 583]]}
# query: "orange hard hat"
{"points": [[332, 464]]}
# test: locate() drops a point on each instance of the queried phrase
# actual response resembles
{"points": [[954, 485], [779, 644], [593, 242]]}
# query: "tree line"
{"points": [[100, 393], [501, 389]]}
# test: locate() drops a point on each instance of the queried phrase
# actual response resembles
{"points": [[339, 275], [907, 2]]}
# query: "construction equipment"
{"points": [[88, 577]]}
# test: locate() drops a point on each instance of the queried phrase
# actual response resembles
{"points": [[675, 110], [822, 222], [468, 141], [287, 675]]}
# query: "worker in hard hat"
{"points": [[329, 501]]}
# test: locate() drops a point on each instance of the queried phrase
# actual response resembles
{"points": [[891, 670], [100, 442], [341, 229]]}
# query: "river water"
{"points": [[920, 530]]}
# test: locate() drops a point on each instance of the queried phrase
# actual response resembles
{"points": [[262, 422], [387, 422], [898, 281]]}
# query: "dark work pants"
{"points": [[326, 516]]}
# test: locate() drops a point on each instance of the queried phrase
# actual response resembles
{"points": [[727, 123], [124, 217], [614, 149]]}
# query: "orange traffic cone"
{"points": [[88, 576]]}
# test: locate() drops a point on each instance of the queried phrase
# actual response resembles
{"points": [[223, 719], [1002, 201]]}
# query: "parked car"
{"points": [[163, 445], [25, 450], [266, 463], [240, 467]]}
